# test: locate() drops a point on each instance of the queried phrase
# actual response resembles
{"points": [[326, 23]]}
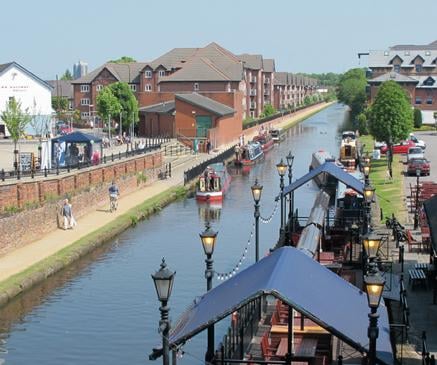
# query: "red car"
{"points": [[400, 147], [421, 164]]}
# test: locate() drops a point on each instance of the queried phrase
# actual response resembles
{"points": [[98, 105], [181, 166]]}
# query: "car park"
{"points": [[398, 148], [415, 152], [62, 128], [421, 164], [411, 137]]}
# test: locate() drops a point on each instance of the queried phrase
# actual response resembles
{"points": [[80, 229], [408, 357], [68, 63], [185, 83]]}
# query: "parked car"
{"points": [[401, 147], [63, 128], [421, 164], [415, 152], [411, 137]]}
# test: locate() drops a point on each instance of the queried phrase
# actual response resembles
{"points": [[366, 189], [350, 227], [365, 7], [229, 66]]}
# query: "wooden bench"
{"points": [[412, 242], [417, 276]]}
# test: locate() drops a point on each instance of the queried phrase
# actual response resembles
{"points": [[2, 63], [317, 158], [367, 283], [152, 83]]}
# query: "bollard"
{"points": [[169, 169], [45, 171], [112, 156], [119, 155], [18, 174], [32, 173], [3, 174], [57, 169], [68, 167]]}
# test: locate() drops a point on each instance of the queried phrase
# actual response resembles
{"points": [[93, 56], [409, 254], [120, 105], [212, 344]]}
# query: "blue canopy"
{"points": [[332, 169], [77, 137], [304, 284]]}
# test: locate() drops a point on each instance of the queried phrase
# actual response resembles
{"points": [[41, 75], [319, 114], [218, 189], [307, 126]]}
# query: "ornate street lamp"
{"points": [[208, 238], [290, 160], [366, 171], [374, 284], [256, 194], [371, 244], [163, 280], [369, 193], [282, 169]]}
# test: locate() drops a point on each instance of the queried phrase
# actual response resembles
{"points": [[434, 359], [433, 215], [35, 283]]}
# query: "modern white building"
{"points": [[33, 93]]}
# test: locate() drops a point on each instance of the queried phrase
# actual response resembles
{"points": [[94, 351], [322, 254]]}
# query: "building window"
{"points": [[429, 100], [196, 86], [148, 87], [148, 74], [418, 101], [99, 87], [161, 73], [133, 87], [85, 114], [85, 101], [84, 88], [418, 67], [397, 68], [429, 81]]}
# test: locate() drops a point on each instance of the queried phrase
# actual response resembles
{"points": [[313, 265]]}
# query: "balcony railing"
{"points": [[252, 79], [252, 92], [252, 105]]}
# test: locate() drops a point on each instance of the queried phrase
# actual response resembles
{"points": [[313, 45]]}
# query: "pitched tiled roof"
{"points": [[208, 104], [381, 58], [252, 61], [432, 45], [5, 66], [166, 107], [280, 78], [124, 72], [269, 65], [174, 58], [62, 88], [393, 76]]}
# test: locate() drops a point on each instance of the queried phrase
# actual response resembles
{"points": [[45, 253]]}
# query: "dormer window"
{"points": [[418, 67], [397, 68], [148, 74], [161, 73], [429, 81]]}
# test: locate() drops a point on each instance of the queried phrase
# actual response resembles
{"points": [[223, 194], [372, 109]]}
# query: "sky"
{"points": [[49, 36]]}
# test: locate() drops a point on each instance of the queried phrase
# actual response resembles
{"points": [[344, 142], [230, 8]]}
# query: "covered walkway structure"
{"points": [[297, 280]]}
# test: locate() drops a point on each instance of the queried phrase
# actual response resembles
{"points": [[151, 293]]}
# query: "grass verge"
{"points": [[390, 194], [35, 274]]}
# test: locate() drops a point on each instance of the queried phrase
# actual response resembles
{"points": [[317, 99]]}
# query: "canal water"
{"points": [[103, 310]]}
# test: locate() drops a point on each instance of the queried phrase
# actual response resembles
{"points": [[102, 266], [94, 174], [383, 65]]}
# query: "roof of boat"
{"points": [[322, 156], [217, 167], [343, 188]]}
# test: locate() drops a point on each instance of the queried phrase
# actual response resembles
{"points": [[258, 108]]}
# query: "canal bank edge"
{"points": [[37, 273]]}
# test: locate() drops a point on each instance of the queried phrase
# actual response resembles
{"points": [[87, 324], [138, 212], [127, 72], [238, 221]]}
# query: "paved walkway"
{"points": [[23, 258]]}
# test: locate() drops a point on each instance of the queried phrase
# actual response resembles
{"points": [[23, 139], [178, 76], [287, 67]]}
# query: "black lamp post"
{"points": [[371, 244], [282, 169], [256, 194], [163, 280], [416, 211], [208, 239], [290, 160], [374, 284], [369, 194], [366, 171]]}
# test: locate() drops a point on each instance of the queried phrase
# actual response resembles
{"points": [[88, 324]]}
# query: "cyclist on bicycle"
{"points": [[113, 196]]}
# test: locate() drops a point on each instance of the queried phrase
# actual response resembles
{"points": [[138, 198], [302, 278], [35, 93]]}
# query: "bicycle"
{"points": [[113, 202]]}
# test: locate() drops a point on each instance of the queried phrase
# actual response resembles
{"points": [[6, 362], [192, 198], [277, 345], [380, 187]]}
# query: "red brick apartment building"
{"points": [[291, 89], [244, 83], [414, 67]]}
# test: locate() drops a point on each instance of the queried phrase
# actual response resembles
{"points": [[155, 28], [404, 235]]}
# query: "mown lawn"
{"points": [[390, 194]]}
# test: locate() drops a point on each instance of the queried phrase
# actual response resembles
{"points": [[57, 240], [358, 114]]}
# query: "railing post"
{"points": [[169, 169], [104, 158], [32, 173], [18, 174], [3, 174], [57, 169], [45, 171], [119, 155]]}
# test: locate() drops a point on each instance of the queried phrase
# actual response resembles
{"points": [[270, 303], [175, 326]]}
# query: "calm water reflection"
{"points": [[103, 310]]}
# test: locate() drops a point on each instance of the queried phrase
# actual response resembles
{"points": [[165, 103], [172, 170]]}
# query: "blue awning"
{"points": [[77, 137], [332, 169], [304, 284]]}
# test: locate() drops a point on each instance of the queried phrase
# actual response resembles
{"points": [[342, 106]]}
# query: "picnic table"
{"points": [[417, 276], [303, 348]]}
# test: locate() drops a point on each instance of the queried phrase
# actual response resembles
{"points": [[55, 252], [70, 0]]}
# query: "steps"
{"points": [[174, 148]]}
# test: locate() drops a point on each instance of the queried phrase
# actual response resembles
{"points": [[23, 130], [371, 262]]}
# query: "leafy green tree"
{"points": [[362, 124], [417, 118], [67, 75], [108, 105], [269, 110], [59, 103], [307, 100], [124, 59], [16, 121], [352, 90], [128, 102]]}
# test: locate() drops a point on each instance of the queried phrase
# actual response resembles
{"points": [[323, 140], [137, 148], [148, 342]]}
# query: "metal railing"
{"points": [[197, 170]]}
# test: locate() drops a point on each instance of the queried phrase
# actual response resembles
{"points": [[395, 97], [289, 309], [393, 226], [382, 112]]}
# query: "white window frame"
{"points": [[84, 114], [148, 74], [161, 73], [148, 87], [99, 87], [133, 87], [84, 88], [196, 86], [85, 101]]}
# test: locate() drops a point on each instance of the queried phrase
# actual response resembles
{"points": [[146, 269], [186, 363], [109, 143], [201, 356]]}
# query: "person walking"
{"points": [[208, 146], [67, 214]]}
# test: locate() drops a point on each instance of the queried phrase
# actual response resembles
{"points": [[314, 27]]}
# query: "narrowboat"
{"points": [[265, 139], [213, 183], [248, 154], [319, 158], [277, 134], [348, 151]]}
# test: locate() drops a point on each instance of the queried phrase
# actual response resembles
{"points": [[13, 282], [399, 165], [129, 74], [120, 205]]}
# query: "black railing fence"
{"points": [[131, 150], [197, 170]]}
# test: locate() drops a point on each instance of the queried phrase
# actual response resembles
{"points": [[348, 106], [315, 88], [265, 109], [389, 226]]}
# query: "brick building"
{"points": [[414, 67], [291, 89]]}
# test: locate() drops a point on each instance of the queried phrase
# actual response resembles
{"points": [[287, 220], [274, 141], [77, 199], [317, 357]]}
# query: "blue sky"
{"points": [[48, 36]]}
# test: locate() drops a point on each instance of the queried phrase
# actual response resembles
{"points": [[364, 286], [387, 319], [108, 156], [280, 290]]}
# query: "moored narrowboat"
{"points": [[213, 183]]}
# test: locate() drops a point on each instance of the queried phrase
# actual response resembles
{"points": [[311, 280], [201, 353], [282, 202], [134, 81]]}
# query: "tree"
{"points": [[352, 90], [128, 103], [390, 116], [269, 110], [124, 59], [417, 118], [362, 124], [67, 75], [16, 121], [307, 100], [107, 104], [59, 103]]}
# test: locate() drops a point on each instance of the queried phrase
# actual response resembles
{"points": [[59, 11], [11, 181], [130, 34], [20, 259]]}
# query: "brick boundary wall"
{"points": [[87, 190]]}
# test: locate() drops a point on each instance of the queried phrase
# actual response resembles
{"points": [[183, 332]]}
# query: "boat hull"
{"points": [[215, 189]]}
